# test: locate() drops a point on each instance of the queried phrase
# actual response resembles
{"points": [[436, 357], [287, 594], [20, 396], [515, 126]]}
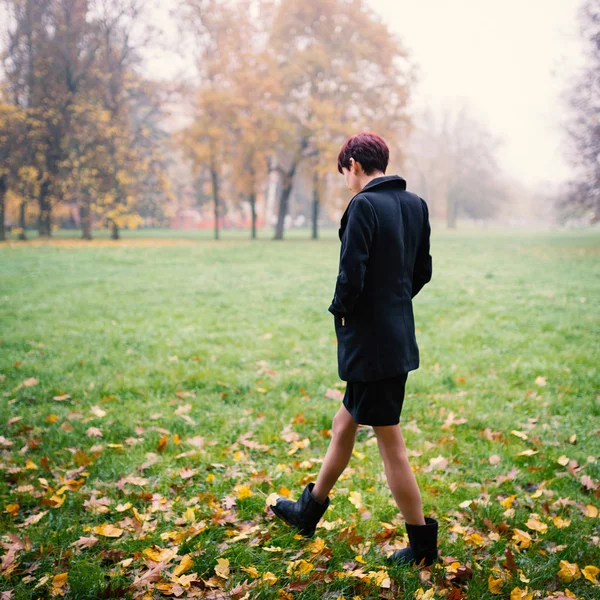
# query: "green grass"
{"points": [[140, 331]]}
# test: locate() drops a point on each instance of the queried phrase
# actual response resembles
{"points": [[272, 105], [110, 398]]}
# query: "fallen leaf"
{"points": [[185, 565], [568, 571], [222, 568], [590, 573], [107, 530], [536, 525], [334, 394], [356, 499], [494, 585]]}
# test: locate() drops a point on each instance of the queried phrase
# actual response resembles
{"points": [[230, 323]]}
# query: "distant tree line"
{"points": [[278, 86], [584, 126]]}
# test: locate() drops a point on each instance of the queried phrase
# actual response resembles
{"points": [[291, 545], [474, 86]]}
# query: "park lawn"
{"points": [[155, 396]]}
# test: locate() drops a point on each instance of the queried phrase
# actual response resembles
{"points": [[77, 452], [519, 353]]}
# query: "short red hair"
{"points": [[368, 149]]}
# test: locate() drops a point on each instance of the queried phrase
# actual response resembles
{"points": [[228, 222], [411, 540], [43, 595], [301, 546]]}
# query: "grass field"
{"points": [[156, 394]]}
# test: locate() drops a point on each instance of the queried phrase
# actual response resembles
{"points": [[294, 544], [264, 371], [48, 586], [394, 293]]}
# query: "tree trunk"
{"points": [[114, 234], [286, 190], [452, 212], [253, 212], [215, 186], [22, 235], [86, 219], [3, 188], [44, 228], [315, 206]]}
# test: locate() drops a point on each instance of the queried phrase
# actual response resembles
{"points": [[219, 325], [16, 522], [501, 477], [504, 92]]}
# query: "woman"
{"points": [[384, 263]]}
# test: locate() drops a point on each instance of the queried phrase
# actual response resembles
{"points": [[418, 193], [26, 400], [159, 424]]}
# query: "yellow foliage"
{"points": [[222, 568], [495, 585], [568, 571]]}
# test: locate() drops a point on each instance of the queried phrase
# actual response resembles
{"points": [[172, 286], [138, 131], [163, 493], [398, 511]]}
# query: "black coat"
{"points": [[384, 262]]}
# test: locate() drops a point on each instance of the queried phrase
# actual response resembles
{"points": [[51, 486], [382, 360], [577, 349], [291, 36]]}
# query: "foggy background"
{"points": [[204, 114]]}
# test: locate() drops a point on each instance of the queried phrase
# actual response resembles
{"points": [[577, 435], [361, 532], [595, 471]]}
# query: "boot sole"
{"points": [[278, 514]]}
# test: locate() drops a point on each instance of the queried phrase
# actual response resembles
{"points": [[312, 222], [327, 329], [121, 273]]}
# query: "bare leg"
{"points": [[400, 476], [338, 454]]}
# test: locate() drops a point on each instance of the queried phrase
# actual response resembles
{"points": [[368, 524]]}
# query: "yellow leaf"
{"points": [[56, 500], [528, 452], [31, 465], [123, 507], [507, 502], [560, 522], [252, 571], [563, 461], [190, 515], [541, 381], [536, 525], [519, 434], [356, 499], [522, 538], [590, 511], [494, 585], [590, 573], [475, 538], [185, 565], [222, 568], [359, 559], [568, 571], [299, 567], [244, 492], [210, 477], [158, 554], [420, 594], [519, 594], [12, 509], [107, 530], [269, 577], [316, 546], [381, 578], [283, 491], [59, 580], [522, 577]]}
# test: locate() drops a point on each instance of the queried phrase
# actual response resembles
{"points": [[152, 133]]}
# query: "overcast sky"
{"points": [[508, 60]]}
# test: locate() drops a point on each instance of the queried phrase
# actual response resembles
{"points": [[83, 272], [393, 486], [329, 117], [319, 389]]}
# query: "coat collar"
{"points": [[396, 179], [393, 180]]}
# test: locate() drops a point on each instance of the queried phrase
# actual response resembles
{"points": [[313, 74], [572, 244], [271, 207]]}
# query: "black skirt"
{"points": [[376, 402]]}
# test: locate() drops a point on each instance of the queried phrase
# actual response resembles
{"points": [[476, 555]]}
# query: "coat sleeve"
{"points": [[423, 265], [354, 255]]}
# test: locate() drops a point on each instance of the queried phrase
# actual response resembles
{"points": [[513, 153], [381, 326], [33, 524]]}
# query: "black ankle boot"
{"points": [[303, 514], [423, 545]]}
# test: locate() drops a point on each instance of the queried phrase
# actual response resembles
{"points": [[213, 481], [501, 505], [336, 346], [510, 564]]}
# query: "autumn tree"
{"points": [[584, 127], [341, 71], [454, 159], [71, 65], [232, 97], [12, 142]]}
